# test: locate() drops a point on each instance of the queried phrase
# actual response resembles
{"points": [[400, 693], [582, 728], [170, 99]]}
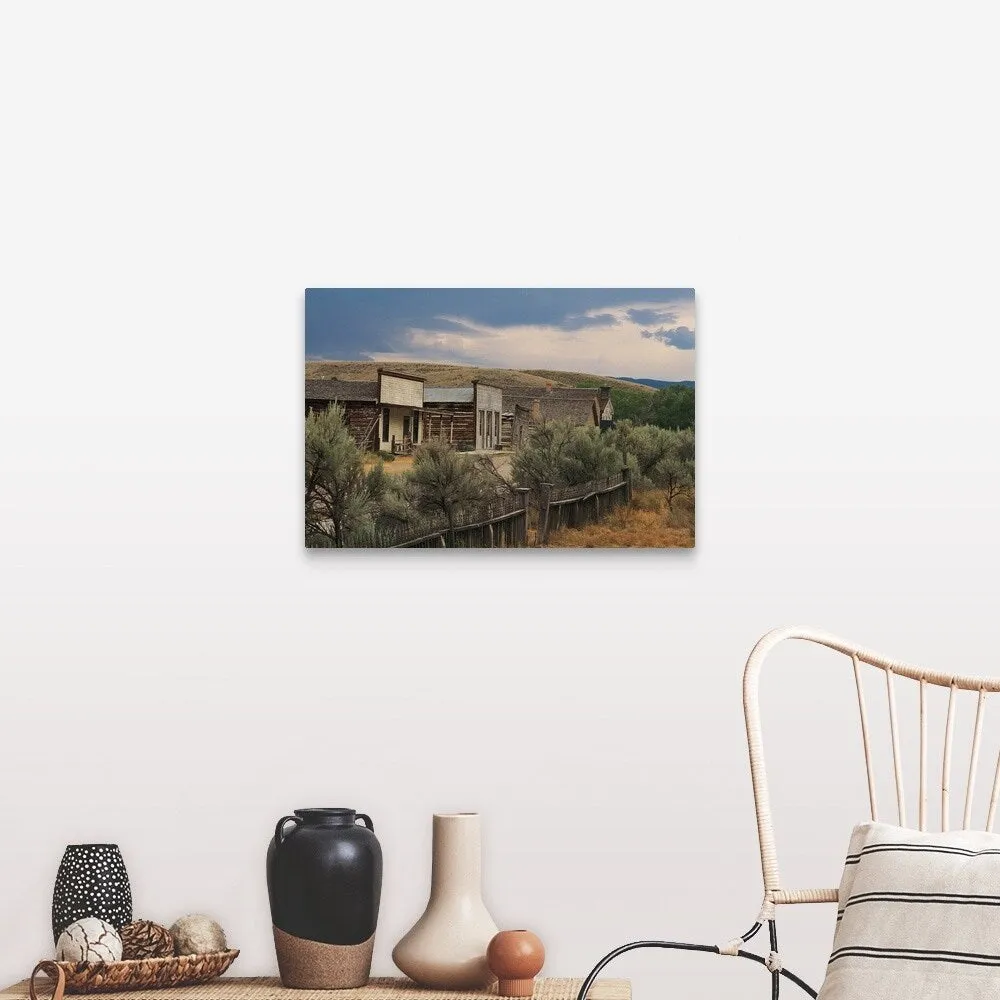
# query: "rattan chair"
{"points": [[776, 893]]}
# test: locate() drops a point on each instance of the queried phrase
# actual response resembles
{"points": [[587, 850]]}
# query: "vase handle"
{"points": [[279, 829], [367, 820]]}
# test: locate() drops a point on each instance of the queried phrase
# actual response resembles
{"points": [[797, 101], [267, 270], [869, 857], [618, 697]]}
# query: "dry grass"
{"points": [[453, 375], [399, 464], [647, 524], [575, 378], [500, 461]]}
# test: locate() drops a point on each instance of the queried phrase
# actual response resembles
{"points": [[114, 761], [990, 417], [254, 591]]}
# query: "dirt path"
{"points": [[398, 465], [502, 462]]}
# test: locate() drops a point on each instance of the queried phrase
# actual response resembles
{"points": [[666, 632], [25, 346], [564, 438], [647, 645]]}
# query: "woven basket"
{"points": [[132, 974]]}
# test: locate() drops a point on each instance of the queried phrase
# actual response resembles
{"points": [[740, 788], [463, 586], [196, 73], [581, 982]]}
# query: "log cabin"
{"points": [[467, 416], [399, 411], [529, 408], [384, 415]]}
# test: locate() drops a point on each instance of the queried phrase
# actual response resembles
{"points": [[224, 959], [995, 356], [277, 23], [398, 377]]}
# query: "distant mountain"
{"points": [[656, 383]]}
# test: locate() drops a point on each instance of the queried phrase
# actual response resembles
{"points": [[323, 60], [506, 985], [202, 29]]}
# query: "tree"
{"points": [[642, 447], [657, 457], [340, 497], [565, 454], [671, 407], [588, 455], [444, 482]]}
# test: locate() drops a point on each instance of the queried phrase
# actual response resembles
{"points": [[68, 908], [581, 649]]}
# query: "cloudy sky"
{"points": [[637, 332]]}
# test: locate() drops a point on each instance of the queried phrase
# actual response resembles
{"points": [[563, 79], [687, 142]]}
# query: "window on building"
{"points": [[416, 426], [497, 424], [406, 427], [385, 423]]}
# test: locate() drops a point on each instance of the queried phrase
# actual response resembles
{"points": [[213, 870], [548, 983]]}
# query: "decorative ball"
{"points": [[197, 934], [515, 958], [144, 939], [89, 940]]}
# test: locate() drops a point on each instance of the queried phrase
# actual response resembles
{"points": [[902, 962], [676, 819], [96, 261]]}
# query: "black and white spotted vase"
{"points": [[91, 882]]}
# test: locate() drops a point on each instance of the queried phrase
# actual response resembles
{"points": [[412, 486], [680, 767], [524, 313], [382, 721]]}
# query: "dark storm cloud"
{"points": [[650, 317], [582, 322], [680, 337], [350, 323]]}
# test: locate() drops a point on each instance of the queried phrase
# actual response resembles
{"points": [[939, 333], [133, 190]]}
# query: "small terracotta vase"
{"points": [[446, 948], [515, 958]]}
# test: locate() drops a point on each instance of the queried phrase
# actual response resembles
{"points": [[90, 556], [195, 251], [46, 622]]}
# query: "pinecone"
{"points": [[144, 939]]}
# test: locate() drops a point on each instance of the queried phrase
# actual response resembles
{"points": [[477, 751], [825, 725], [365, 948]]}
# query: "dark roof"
{"points": [[341, 391], [578, 411], [556, 392]]}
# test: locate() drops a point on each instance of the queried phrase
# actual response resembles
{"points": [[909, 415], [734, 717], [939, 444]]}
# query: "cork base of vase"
{"points": [[314, 965], [324, 882]]}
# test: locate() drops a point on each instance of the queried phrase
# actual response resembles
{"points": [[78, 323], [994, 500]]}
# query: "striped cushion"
{"points": [[918, 917]]}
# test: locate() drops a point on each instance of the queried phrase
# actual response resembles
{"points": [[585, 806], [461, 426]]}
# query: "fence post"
{"points": [[545, 495], [627, 475], [523, 492]]}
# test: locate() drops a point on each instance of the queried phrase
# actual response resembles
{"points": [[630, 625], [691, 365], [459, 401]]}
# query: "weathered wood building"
{"points": [[467, 416], [359, 401], [399, 411], [401, 401], [526, 409], [382, 416]]}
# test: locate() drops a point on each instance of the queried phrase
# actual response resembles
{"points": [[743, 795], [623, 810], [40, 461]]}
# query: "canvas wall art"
{"points": [[499, 418]]}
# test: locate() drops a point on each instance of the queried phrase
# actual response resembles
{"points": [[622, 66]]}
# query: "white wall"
{"points": [[178, 672]]}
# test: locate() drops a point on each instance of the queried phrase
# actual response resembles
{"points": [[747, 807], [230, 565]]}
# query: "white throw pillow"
{"points": [[918, 917]]}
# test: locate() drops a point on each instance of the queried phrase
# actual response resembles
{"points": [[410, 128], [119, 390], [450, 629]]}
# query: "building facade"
{"points": [[401, 405], [397, 412], [467, 417]]}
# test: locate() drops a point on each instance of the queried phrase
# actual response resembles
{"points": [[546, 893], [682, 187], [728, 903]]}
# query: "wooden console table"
{"points": [[236, 988]]}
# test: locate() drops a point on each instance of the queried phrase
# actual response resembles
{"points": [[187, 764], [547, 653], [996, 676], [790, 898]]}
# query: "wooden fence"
{"points": [[500, 524], [576, 506]]}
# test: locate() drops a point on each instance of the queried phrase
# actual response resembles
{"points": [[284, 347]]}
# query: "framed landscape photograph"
{"points": [[499, 418]]}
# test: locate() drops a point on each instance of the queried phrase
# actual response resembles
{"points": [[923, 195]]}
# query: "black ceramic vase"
{"points": [[324, 881], [91, 882]]}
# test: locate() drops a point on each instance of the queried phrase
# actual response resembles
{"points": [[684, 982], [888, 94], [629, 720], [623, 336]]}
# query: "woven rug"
{"points": [[236, 988]]}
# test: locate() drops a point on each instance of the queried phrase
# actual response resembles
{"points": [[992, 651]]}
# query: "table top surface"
{"points": [[382, 988]]}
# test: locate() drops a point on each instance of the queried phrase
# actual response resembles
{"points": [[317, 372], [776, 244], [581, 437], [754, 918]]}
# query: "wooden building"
{"points": [[488, 404], [526, 409], [399, 411], [401, 402], [468, 416], [359, 401], [382, 416]]}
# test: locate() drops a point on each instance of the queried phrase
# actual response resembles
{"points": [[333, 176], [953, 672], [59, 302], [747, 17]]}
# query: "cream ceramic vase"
{"points": [[446, 948]]}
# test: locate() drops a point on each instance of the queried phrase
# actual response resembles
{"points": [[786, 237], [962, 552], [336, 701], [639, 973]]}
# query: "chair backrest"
{"points": [[859, 658]]}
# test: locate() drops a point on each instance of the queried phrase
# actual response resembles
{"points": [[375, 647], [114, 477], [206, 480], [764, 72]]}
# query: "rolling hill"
{"points": [[453, 375]]}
